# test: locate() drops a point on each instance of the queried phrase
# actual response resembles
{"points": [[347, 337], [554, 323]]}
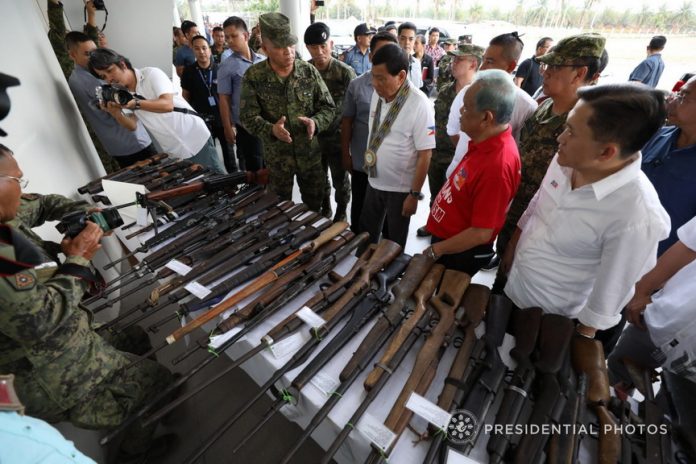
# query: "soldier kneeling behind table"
{"points": [[64, 370]]}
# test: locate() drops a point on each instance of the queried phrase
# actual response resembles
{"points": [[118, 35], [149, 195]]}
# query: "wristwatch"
{"points": [[430, 253], [415, 194], [137, 105]]}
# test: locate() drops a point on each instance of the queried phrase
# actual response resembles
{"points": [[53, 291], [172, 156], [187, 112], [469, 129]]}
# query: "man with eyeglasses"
{"points": [[571, 65], [64, 370], [669, 160]]}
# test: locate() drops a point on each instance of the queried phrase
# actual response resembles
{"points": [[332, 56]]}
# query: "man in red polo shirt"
{"points": [[470, 209]]}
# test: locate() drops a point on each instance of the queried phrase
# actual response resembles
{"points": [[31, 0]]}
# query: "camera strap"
{"points": [[176, 108], [106, 17]]}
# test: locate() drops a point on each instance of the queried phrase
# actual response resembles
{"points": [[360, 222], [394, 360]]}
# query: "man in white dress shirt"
{"points": [[593, 226], [503, 53]]}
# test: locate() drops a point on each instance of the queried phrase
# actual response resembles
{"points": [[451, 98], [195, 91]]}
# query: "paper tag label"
{"points": [[218, 340], [480, 329], [378, 433], [289, 345], [428, 410], [178, 267], [141, 216], [200, 291], [309, 317], [454, 457], [325, 383]]}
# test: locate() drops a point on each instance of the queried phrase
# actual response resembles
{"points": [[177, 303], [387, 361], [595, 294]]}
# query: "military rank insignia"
{"points": [[23, 280]]}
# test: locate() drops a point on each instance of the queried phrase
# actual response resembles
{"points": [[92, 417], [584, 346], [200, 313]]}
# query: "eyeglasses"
{"points": [[22, 182], [543, 67], [680, 98]]}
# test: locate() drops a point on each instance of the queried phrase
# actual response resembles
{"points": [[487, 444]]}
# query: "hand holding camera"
{"points": [[85, 244]]}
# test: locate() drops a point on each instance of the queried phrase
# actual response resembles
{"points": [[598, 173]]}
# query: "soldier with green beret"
{"points": [[336, 76], [285, 103], [571, 64], [64, 370]]}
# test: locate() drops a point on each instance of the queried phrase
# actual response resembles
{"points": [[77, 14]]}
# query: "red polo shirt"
{"points": [[480, 189]]}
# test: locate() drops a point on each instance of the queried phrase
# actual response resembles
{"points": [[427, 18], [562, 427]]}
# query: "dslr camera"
{"points": [[99, 5], [113, 93], [72, 223]]}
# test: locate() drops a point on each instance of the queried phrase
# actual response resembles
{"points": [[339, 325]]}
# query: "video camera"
{"points": [[115, 93], [72, 223]]}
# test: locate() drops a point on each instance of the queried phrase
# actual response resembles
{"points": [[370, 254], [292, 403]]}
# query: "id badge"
{"points": [[211, 101]]}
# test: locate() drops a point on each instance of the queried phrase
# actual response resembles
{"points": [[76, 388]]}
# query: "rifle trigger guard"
{"points": [[518, 390]]}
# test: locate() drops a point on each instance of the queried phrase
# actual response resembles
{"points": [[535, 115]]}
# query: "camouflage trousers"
{"points": [[109, 404], [331, 161], [437, 172], [311, 179]]}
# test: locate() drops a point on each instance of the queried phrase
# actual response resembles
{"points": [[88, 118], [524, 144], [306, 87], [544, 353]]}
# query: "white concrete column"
{"points": [[197, 15], [298, 12]]}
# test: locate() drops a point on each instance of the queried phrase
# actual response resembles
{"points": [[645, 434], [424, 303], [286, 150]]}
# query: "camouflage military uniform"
{"points": [[336, 77], [56, 35], [444, 150], [444, 73], [537, 147], [63, 369], [265, 98]]}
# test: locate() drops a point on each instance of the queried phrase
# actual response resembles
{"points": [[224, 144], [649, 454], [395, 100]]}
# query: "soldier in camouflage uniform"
{"points": [[56, 35], [572, 64], [63, 369], [336, 76], [285, 103], [444, 70]]}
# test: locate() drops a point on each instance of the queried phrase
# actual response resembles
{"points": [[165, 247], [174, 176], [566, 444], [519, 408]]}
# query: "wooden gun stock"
{"points": [[423, 294]]}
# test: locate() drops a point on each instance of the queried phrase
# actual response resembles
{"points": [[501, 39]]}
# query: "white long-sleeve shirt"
{"points": [[581, 251]]}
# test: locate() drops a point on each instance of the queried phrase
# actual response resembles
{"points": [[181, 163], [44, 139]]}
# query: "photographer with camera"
{"points": [[64, 370], [149, 96], [199, 88]]}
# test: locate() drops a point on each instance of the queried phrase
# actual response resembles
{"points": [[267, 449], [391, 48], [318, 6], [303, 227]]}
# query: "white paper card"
{"points": [[428, 410], [454, 457], [217, 340], [325, 383], [310, 318], [198, 290], [376, 431], [178, 267], [480, 329], [141, 218], [289, 345]]}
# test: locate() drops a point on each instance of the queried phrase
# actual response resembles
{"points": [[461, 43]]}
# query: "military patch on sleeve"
{"points": [[24, 281]]}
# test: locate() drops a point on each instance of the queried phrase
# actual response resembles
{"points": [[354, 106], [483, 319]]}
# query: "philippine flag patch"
{"points": [[431, 130]]}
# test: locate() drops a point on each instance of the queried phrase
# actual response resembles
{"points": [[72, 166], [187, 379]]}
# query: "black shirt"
{"points": [[529, 70], [201, 85]]}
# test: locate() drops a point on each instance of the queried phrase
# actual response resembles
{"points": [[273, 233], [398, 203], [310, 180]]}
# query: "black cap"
{"points": [[362, 29], [317, 34]]}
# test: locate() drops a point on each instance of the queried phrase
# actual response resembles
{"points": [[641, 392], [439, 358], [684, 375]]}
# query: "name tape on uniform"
{"points": [[428, 410], [310, 318], [378, 433], [178, 267], [198, 290]]}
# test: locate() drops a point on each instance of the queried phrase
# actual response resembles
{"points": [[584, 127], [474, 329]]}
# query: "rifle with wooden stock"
{"points": [[474, 304], [315, 269], [555, 334], [525, 328], [445, 302], [588, 358], [382, 256], [387, 322], [95, 186]]}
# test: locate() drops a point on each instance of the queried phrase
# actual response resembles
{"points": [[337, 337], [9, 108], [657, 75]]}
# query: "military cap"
{"points": [[574, 47], [276, 28], [363, 29], [317, 34], [468, 50], [449, 42]]}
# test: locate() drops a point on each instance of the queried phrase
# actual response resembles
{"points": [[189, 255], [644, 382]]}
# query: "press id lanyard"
{"points": [[208, 84]]}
